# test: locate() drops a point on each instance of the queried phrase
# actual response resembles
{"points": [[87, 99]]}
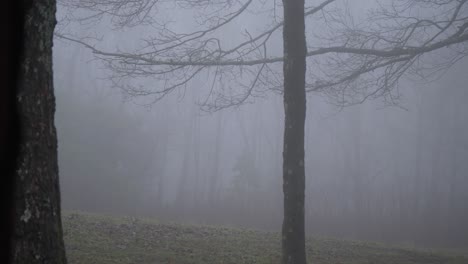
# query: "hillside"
{"points": [[106, 239]]}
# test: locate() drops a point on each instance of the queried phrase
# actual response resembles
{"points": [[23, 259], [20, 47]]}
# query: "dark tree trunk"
{"points": [[38, 227], [293, 236]]}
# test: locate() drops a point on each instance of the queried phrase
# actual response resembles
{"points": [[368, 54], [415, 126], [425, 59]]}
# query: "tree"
{"points": [[353, 62], [295, 49], [37, 235]]}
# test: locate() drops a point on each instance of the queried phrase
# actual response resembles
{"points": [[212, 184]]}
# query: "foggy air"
{"points": [[188, 131]]}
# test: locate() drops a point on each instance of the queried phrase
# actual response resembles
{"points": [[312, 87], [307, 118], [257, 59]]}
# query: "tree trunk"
{"points": [[293, 236], [38, 227]]}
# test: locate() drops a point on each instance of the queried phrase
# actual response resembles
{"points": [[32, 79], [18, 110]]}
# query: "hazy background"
{"points": [[389, 174]]}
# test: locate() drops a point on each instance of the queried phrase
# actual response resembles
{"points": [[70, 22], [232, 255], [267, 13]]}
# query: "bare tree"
{"points": [[294, 41], [357, 61], [351, 62], [37, 234], [366, 60]]}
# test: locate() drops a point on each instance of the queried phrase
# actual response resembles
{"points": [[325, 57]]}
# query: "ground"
{"points": [[103, 239]]}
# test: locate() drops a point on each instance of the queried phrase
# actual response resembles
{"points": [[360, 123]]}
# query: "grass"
{"points": [[103, 239]]}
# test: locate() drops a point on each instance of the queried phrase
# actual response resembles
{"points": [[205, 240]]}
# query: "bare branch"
{"points": [[353, 62]]}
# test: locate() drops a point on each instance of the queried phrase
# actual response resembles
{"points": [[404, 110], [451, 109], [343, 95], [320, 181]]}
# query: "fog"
{"points": [[395, 174]]}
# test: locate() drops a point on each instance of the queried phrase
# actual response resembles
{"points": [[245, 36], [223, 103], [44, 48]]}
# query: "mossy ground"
{"points": [[103, 239]]}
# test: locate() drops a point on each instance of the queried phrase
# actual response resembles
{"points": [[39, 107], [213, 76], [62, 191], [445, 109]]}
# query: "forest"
{"points": [[241, 131]]}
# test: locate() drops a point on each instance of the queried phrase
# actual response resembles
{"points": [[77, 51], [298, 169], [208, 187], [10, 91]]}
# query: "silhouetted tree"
{"points": [[37, 234], [295, 50]]}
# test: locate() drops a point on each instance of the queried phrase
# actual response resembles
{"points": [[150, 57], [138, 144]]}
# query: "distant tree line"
{"points": [[377, 176]]}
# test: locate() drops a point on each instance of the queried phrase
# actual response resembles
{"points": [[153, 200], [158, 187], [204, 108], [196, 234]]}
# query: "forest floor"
{"points": [[103, 239]]}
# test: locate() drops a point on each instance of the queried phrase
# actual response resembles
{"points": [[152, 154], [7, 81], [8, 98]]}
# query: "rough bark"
{"points": [[37, 234], [293, 236]]}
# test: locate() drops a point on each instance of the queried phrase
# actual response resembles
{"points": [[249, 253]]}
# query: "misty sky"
{"points": [[380, 147]]}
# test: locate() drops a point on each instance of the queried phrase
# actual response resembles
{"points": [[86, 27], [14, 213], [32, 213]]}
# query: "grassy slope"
{"points": [[105, 239]]}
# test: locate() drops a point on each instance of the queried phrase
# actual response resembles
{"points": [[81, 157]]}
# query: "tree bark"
{"points": [[295, 50], [38, 228]]}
